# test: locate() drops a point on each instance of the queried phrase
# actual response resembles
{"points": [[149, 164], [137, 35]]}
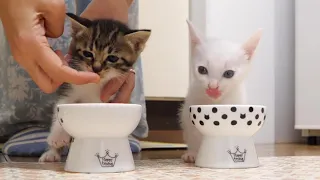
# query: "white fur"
{"points": [[58, 137], [217, 56]]}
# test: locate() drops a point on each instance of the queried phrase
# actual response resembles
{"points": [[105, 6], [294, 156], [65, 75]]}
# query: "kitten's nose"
{"points": [[96, 69], [213, 84]]}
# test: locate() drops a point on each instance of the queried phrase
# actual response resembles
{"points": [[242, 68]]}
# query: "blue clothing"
{"points": [[25, 111]]}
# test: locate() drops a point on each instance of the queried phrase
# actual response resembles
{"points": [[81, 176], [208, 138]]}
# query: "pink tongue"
{"points": [[213, 92]]}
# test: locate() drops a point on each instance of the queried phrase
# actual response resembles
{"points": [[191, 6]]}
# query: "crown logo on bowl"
{"points": [[107, 160], [238, 156]]}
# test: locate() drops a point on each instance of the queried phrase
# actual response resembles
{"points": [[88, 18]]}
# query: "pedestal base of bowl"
{"points": [[227, 152], [100, 155]]}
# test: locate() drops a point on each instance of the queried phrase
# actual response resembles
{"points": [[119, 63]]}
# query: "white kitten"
{"points": [[219, 68]]}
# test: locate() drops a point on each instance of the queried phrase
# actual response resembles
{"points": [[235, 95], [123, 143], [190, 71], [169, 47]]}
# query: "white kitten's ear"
{"points": [[78, 23], [194, 34], [251, 44]]}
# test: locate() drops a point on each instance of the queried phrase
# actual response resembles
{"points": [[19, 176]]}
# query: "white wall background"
{"points": [[285, 72], [165, 59], [271, 81], [307, 64]]}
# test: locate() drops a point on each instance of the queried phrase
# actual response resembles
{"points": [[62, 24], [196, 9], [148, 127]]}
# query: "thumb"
{"points": [[54, 16]]}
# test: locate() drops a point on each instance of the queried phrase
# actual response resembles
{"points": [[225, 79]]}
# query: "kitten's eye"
{"points": [[228, 74], [112, 58], [87, 54], [202, 70]]}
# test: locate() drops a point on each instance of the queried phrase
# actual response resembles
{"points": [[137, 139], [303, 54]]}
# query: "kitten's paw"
{"points": [[59, 140], [51, 155], [189, 157]]}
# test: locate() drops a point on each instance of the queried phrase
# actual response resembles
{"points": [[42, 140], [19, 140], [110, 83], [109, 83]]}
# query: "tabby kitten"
{"points": [[106, 47]]}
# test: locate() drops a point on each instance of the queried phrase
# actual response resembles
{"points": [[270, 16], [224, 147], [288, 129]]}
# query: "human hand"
{"points": [[121, 87], [118, 89], [27, 24]]}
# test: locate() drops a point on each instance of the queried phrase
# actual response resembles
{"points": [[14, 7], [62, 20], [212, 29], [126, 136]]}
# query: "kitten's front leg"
{"points": [[192, 137], [57, 139]]}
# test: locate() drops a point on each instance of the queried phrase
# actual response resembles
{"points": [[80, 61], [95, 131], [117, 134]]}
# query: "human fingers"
{"points": [[54, 13], [64, 59], [129, 2], [54, 67], [125, 91], [43, 81], [112, 87]]}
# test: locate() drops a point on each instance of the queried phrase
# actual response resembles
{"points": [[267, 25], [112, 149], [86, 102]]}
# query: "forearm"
{"points": [[114, 9]]}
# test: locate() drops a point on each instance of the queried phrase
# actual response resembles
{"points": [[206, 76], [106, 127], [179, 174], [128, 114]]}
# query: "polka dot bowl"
{"points": [[227, 134], [100, 136], [228, 120]]}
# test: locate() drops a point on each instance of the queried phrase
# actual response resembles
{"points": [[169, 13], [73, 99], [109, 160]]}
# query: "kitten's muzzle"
{"points": [[213, 92], [96, 69], [213, 85]]}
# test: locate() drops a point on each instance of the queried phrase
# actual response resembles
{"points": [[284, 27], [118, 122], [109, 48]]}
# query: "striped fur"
{"points": [[106, 47], [103, 38]]}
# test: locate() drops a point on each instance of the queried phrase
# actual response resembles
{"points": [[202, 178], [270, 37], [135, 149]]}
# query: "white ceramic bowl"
{"points": [[100, 132], [228, 120], [227, 134]]}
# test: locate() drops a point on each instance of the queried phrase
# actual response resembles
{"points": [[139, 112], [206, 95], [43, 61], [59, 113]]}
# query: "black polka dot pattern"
{"points": [[234, 122], [235, 116], [214, 110], [61, 120], [201, 123], [224, 116]]}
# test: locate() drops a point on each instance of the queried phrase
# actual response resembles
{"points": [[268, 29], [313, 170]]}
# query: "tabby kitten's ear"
{"points": [[137, 38], [78, 23], [251, 44]]}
